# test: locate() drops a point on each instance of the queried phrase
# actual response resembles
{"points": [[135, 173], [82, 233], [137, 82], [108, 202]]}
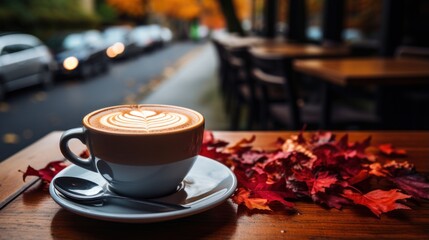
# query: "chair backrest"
{"points": [[274, 72], [412, 52]]}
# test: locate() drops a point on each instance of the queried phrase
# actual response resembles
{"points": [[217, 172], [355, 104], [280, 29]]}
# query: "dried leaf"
{"points": [[47, 173], [320, 168], [415, 185], [378, 201], [390, 151]]}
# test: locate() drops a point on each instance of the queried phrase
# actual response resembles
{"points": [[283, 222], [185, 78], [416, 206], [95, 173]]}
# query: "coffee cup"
{"points": [[142, 151]]}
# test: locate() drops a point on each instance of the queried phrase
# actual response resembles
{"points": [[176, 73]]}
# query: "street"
{"points": [[29, 114]]}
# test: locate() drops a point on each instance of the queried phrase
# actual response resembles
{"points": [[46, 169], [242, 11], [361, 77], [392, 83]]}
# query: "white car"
{"points": [[24, 61]]}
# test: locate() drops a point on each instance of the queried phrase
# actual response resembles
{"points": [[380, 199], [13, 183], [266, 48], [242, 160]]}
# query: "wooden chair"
{"points": [[413, 101], [294, 110], [243, 94], [223, 64]]}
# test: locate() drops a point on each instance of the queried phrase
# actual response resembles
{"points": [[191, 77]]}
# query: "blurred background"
{"points": [[60, 59]]}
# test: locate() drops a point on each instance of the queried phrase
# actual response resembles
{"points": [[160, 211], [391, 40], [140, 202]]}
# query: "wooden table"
{"points": [[32, 214], [287, 50], [365, 71]]}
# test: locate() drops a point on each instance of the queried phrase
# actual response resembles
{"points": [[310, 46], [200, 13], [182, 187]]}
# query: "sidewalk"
{"points": [[194, 85]]}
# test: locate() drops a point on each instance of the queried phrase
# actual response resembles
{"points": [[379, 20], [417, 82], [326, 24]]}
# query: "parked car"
{"points": [[80, 53], [156, 34], [166, 35], [142, 37], [24, 61], [120, 43]]}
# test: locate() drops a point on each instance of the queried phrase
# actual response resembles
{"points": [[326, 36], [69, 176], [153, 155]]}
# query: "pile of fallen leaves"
{"points": [[332, 173]]}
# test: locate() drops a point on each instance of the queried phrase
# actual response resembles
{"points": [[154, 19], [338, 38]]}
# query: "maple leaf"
{"points": [[210, 141], [242, 145], [390, 151], [47, 173], [399, 168], [415, 185], [378, 201], [242, 196], [212, 148], [330, 200], [213, 153], [258, 188], [319, 168], [361, 176], [377, 170], [322, 181]]}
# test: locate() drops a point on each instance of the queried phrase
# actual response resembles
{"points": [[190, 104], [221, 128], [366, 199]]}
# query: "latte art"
{"points": [[145, 120]]}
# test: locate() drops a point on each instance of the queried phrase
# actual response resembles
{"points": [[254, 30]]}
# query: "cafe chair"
{"points": [[224, 68], [412, 100], [243, 94], [299, 107]]}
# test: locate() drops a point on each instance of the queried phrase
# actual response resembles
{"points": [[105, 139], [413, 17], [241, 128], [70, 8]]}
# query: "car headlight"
{"points": [[70, 63], [115, 49]]}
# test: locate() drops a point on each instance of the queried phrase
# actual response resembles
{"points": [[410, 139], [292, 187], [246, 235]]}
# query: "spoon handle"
{"points": [[149, 202]]}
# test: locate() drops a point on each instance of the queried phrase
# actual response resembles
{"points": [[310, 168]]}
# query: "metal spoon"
{"points": [[83, 190]]}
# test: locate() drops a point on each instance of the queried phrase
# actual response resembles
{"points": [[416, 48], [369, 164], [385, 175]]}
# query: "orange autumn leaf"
{"points": [[377, 170], [134, 8], [391, 151], [181, 9], [378, 201], [243, 197]]}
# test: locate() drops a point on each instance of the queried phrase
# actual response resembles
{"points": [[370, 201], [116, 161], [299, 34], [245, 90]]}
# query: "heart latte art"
{"points": [[140, 119]]}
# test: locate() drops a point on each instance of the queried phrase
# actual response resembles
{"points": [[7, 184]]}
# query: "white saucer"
{"points": [[208, 184]]}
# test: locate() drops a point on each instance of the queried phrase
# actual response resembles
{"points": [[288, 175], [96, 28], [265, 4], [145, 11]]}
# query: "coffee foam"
{"points": [[143, 119]]}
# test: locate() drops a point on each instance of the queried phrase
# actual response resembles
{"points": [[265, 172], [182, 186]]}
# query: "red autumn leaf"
{"points": [[251, 156], [210, 141], [361, 176], [390, 151], [84, 154], [323, 181], [330, 200], [47, 173], [415, 185], [242, 145], [318, 167], [213, 153], [258, 188], [280, 141], [212, 148], [378, 201]]}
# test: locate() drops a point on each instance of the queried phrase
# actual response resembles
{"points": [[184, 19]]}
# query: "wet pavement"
{"points": [[29, 114]]}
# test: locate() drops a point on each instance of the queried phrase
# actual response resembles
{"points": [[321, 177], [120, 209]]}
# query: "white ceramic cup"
{"points": [[142, 151]]}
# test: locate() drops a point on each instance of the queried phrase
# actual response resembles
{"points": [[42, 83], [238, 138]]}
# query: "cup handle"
{"points": [[78, 133]]}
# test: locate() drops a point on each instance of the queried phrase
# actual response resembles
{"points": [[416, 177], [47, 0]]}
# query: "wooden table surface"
{"points": [[296, 50], [32, 214], [365, 71]]}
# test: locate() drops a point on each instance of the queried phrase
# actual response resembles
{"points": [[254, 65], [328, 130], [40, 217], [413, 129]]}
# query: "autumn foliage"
{"points": [[318, 167], [332, 173], [208, 12]]}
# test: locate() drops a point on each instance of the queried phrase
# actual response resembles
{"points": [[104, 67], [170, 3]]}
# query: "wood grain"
{"points": [[37, 155], [295, 50], [367, 71], [34, 214]]}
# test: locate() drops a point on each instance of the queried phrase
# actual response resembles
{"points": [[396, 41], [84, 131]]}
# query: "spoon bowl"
{"points": [[84, 190]]}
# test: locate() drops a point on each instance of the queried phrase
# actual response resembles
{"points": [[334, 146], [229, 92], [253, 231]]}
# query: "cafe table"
{"points": [[389, 73], [28, 212]]}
